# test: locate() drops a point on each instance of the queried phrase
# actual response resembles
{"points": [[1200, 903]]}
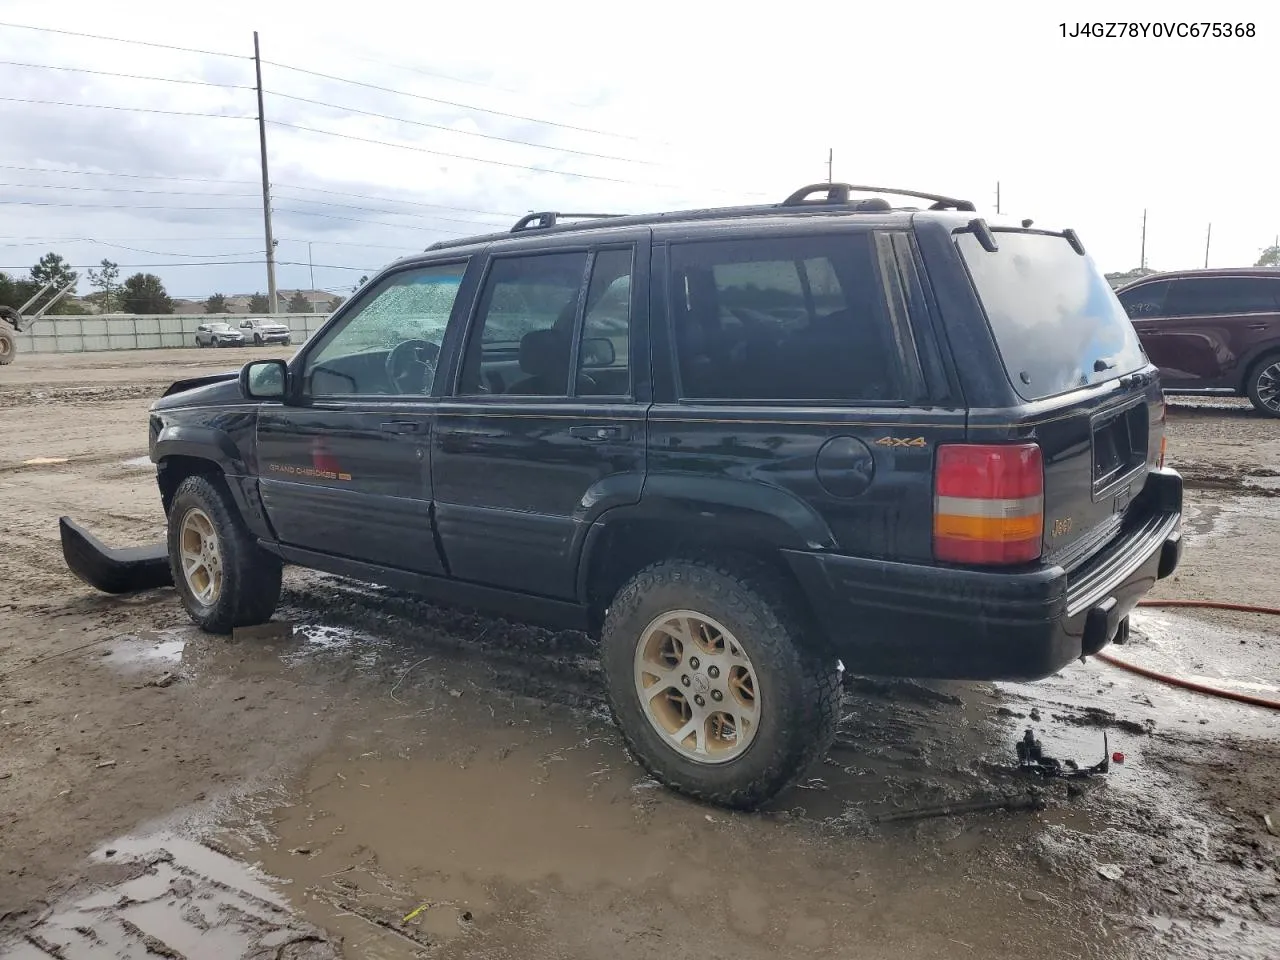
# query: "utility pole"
{"points": [[1142, 262], [997, 196], [1208, 234], [831, 153], [266, 182], [311, 266]]}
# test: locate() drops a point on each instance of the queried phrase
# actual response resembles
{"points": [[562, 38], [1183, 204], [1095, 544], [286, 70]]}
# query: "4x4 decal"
{"points": [[901, 442]]}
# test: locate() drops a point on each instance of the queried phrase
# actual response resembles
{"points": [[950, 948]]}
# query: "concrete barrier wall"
{"points": [[129, 332]]}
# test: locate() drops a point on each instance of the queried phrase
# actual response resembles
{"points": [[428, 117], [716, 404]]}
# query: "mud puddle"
{"points": [[1179, 821], [167, 896], [148, 649]]}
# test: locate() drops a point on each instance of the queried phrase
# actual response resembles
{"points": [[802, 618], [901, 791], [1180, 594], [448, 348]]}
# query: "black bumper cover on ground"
{"points": [[901, 619], [126, 570]]}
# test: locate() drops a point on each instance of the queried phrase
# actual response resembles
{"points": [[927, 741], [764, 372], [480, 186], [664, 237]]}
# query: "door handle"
{"points": [[1259, 326], [601, 432], [402, 426]]}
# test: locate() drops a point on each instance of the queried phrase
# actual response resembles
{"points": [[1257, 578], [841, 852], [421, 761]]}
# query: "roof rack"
{"points": [[839, 193], [549, 218], [836, 200]]}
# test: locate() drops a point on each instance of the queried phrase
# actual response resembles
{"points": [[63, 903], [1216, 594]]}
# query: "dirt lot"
{"points": [[391, 780]]}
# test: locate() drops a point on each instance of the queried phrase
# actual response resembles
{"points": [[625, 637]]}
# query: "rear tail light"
{"points": [[988, 505]]}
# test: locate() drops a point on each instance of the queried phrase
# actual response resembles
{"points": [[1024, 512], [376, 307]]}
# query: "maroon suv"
{"points": [[1212, 331]]}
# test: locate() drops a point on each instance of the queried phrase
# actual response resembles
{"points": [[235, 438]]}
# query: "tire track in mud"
{"points": [[526, 661], [899, 743]]}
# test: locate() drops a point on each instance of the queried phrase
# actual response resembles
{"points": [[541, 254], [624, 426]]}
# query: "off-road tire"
{"points": [[1251, 384], [8, 347], [799, 681], [250, 575]]}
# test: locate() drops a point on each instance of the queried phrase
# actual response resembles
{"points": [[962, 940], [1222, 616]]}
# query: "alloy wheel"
{"points": [[697, 686], [201, 557], [1267, 387]]}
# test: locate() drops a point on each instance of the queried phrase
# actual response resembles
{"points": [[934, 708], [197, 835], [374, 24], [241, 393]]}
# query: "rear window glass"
{"points": [[1055, 318]]}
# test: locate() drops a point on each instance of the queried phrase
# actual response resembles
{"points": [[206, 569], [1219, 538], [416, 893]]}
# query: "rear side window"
{"points": [[1056, 320], [783, 319], [1146, 301], [523, 340], [1218, 296]]}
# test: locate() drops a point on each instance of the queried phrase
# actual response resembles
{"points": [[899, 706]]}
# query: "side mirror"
{"points": [[598, 352], [264, 380]]}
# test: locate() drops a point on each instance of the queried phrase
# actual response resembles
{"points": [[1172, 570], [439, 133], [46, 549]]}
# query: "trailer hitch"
{"points": [[1031, 759]]}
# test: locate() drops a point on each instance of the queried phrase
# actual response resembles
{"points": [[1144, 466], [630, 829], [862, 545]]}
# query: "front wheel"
{"points": [[8, 347], [714, 681], [1264, 385], [224, 578]]}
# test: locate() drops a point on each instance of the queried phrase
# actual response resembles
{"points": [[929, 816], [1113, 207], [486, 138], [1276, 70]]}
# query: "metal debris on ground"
{"points": [[1031, 800], [1031, 759]]}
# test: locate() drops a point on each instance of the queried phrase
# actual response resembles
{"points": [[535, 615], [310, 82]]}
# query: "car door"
{"points": [[1193, 339], [546, 426], [345, 466]]}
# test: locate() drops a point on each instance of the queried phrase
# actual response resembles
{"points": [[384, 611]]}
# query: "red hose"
{"points": [[1191, 684], [1211, 604]]}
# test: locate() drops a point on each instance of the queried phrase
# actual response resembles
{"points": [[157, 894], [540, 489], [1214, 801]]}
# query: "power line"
{"points": [[405, 226], [140, 239], [280, 186], [412, 203], [327, 266], [133, 266], [429, 73], [112, 206], [465, 133], [304, 213], [195, 193], [395, 213], [451, 103], [167, 253], [124, 76], [157, 193], [343, 243], [140, 43], [108, 106], [132, 176], [458, 156]]}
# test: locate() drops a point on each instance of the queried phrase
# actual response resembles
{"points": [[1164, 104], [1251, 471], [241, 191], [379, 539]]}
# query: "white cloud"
{"points": [[727, 103]]}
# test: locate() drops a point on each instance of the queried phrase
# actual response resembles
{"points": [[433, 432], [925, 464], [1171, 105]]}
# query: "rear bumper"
{"points": [[900, 619], [123, 570]]}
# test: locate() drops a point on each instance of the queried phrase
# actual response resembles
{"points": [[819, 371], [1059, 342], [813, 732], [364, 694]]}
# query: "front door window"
{"points": [[390, 344]]}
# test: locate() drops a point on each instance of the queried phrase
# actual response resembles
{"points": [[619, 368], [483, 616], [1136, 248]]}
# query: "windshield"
{"points": [[1055, 318]]}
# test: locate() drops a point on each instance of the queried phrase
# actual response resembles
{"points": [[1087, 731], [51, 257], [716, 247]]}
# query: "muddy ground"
{"points": [[387, 779]]}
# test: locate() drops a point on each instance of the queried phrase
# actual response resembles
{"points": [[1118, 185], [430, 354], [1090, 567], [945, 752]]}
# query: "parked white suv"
{"points": [[265, 330]]}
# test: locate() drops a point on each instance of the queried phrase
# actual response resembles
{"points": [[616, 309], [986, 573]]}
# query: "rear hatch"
{"points": [[1091, 400]]}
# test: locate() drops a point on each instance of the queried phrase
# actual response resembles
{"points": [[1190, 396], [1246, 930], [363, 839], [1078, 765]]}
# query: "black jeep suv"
{"points": [[740, 446]]}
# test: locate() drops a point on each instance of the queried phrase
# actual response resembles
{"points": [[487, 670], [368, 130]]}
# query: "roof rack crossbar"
{"points": [[549, 218], [839, 193]]}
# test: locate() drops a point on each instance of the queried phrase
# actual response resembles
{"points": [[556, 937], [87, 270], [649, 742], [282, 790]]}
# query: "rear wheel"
{"points": [[8, 347], [224, 578], [1264, 385], [714, 682]]}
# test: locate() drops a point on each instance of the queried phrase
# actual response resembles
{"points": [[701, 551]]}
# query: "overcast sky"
{"points": [[676, 104]]}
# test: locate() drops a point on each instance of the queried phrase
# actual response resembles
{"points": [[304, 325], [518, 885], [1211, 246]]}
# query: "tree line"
{"points": [[142, 293]]}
